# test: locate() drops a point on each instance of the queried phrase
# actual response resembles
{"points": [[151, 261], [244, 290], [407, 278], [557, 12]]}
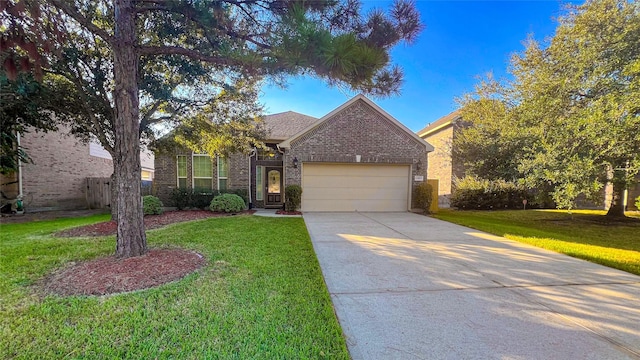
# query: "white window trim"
{"points": [[178, 170], [218, 159], [193, 176]]}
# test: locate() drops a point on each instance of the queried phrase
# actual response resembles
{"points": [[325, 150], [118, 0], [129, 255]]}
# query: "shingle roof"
{"points": [[443, 121], [282, 126]]}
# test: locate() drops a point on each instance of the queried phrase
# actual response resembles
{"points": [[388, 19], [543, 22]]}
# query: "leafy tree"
{"points": [[570, 117], [486, 144], [580, 97], [151, 51], [26, 105]]}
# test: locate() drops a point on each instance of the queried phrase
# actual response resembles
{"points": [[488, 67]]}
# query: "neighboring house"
{"points": [[356, 158], [446, 168], [442, 166], [56, 180]]}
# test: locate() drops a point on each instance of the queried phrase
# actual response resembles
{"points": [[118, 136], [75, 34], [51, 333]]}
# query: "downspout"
{"points": [[284, 174], [251, 154], [19, 167]]}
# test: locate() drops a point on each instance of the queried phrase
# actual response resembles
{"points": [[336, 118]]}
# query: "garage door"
{"points": [[355, 187]]}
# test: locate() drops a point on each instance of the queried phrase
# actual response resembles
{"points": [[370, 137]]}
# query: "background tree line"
{"points": [[567, 122]]}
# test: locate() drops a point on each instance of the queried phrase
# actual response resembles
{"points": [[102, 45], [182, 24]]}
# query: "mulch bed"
{"points": [[150, 222], [109, 275]]}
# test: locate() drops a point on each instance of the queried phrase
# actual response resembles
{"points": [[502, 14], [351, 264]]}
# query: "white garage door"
{"points": [[355, 187]]}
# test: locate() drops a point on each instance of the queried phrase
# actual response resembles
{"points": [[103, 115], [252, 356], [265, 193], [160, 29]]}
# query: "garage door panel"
{"points": [[353, 170], [350, 193], [355, 187], [354, 205], [335, 182]]}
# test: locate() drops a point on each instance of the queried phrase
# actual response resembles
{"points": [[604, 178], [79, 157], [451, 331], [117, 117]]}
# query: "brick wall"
{"points": [[56, 179], [356, 130], [166, 173], [440, 163]]}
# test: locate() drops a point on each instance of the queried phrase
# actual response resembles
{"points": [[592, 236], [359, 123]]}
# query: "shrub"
{"points": [[201, 198], [229, 203], [243, 193], [423, 196], [151, 205], [638, 203], [181, 198], [472, 193], [293, 197]]}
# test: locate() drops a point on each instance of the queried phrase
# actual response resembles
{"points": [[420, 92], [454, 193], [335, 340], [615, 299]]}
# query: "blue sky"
{"points": [[462, 40]]}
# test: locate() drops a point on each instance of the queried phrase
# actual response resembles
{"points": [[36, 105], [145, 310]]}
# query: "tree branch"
{"points": [[226, 31], [77, 16], [193, 54], [145, 121]]}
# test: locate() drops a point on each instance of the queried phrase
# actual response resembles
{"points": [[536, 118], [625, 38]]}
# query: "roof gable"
{"points": [[440, 123], [360, 97]]}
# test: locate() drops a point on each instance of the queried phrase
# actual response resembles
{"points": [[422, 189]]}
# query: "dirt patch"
{"points": [[109, 275], [150, 222]]}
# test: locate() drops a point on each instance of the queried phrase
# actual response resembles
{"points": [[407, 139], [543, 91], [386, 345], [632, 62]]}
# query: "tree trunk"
{"points": [[617, 199], [114, 195], [131, 239]]}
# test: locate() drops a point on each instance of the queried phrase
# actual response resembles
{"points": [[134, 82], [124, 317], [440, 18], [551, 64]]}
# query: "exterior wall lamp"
{"points": [[295, 162], [419, 165]]}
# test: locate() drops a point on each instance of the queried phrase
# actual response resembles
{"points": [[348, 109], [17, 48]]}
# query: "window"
{"points": [[273, 183], [270, 154], [259, 183], [182, 171], [223, 173], [202, 172]]}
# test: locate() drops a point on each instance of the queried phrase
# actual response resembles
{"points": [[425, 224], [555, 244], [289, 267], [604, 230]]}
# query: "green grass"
{"points": [[585, 234], [260, 297]]}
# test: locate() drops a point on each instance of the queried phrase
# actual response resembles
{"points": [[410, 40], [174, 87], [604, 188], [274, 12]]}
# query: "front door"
{"points": [[273, 187]]}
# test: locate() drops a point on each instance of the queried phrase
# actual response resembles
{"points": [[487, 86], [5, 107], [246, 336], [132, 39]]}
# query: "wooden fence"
{"points": [[98, 193]]}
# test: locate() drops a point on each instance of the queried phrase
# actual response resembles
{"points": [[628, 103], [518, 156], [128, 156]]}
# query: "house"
{"points": [[356, 158], [446, 168], [56, 180], [442, 165]]}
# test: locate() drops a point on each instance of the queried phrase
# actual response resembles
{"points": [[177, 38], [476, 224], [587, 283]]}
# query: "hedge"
{"points": [[201, 198], [479, 194]]}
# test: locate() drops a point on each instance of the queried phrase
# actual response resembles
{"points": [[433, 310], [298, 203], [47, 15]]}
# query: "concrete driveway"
{"points": [[406, 286]]}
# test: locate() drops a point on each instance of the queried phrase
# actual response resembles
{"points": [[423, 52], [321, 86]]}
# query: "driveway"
{"points": [[406, 286]]}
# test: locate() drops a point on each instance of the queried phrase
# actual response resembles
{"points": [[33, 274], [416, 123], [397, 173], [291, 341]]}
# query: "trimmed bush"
{"points": [[293, 197], [472, 193], [181, 198], [201, 198], [229, 203], [151, 205], [423, 196]]}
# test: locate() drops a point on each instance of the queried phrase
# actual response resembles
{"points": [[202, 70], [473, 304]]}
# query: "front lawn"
{"points": [[584, 234], [261, 296]]}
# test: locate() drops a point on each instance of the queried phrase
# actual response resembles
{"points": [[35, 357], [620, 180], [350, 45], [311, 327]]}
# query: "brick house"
{"points": [[356, 158], [442, 165], [56, 180]]}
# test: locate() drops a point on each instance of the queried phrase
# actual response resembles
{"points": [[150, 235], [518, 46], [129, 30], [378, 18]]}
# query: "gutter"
{"points": [[253, 152], [19, 168]]}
